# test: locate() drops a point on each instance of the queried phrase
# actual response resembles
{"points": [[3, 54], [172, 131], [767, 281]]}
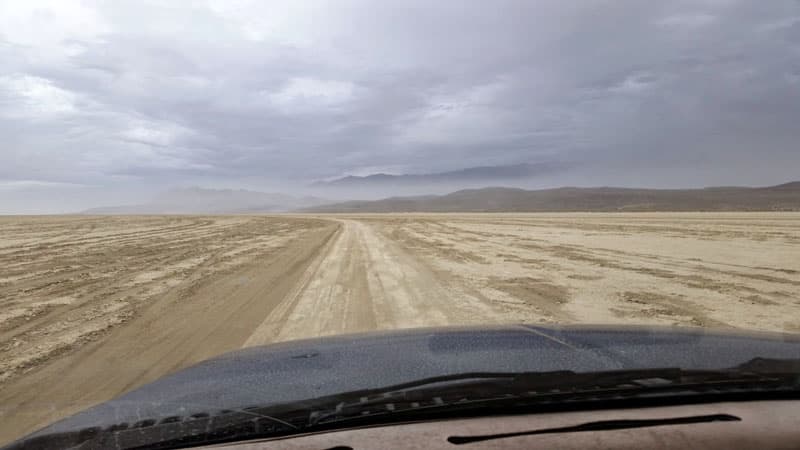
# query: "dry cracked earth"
{"points": [[91, 307]]}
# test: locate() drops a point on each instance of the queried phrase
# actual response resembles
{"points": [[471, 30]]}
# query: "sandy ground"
{"points": [[147, 296], [709, 270], [95, 306]]}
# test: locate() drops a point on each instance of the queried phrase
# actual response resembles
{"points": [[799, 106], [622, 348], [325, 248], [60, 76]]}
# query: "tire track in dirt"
{"points": [[366, 282], [669, 269]]}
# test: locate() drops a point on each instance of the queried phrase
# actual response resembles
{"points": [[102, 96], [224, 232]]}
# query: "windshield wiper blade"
{"points": [[752, 370], [560, 381], [464, 391]]}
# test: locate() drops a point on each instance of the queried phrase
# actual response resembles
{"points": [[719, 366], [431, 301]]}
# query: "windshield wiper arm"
{"points": [[753, 370], [471, 390]]}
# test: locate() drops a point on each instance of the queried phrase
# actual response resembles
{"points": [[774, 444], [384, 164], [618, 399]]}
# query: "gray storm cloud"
{"points": [[108, 101]]}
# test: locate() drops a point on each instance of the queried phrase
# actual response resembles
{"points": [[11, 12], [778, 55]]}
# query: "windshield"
{"points": [[181, 180]]}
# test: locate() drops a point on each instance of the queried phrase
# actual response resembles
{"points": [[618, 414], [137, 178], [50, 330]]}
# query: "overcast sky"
{"points": [[108, 102]]}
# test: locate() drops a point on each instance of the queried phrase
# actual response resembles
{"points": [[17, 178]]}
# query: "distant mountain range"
{"points": [[470, 175], [195, 200], [498, 199]]}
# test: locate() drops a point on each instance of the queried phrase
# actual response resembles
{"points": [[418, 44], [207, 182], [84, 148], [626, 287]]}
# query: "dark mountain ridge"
{"points": [[784, 197]]}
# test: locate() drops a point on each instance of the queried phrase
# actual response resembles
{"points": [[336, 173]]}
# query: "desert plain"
{"points": [[94, 306]]}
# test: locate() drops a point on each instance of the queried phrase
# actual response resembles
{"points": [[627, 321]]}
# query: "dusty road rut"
{"points": [[95, 306], [364, 281]]}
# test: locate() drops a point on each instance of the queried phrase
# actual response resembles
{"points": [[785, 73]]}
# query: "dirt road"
{"points": [[364, 281], [93, 307]]}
